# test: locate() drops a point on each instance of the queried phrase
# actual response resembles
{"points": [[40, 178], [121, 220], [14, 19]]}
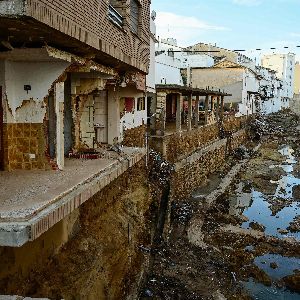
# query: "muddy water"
{"points": [[256, 206]]}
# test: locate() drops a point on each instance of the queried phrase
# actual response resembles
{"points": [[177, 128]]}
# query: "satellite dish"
{"points": [[153, 15]]}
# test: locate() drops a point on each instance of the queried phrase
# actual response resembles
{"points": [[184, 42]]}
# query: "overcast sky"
{"points": [[232, 24]]}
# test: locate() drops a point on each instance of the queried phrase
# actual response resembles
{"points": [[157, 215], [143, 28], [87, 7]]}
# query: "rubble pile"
{"points": [[160, 170]]}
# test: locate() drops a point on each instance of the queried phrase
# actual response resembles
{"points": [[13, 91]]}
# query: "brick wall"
{"points": [[88, 22], [20, 140]]}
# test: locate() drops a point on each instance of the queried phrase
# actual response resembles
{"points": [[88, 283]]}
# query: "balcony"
{"points": [[115, 17], [34, 201]]}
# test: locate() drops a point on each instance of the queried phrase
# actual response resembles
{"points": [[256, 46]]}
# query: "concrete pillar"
{"points": [[59, 110], [178, 112], [206, 109], [222, 107], [218, 108], [190, 113], [212, 103], [197, 111], [161, 99]]}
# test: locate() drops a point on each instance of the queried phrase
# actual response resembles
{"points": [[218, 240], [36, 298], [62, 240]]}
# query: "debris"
{"points": [[257, 226]]}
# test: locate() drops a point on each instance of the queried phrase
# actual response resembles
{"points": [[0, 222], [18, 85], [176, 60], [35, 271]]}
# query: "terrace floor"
{"points": [[29, 197]]}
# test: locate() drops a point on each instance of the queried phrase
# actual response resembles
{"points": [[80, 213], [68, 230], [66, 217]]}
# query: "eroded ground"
{"points": [[247, 244]]}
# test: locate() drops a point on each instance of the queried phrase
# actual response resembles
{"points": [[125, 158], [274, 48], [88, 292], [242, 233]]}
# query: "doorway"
{"points": [[101, 117], [51, 127]]}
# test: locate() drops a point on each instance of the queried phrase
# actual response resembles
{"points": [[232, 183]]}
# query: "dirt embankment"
{"points": [[105, 259]]}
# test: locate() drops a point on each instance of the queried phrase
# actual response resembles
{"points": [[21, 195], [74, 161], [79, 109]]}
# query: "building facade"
{"points": [[70, 80], [284, 66]]}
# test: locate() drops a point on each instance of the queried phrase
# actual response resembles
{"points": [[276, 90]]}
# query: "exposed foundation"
{"points": [[103, 260]]}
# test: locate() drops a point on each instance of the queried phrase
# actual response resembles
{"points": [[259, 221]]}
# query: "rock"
{"points": [[273, 265], [296, 192], [293, 282], [283, 231], [257, 226], [295, 225], [242, 218]]}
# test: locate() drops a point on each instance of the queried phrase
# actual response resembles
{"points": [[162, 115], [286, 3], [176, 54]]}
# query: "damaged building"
{"points": [[70, 85], [73, 111]]}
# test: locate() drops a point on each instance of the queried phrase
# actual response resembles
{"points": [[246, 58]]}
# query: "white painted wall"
{"points": [[150, 78], [117, 125], [167, 70], [135, 119], [40, 75], [284, 65], [196, 60]]}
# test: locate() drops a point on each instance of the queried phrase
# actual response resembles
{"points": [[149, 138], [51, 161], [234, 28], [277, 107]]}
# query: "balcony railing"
{"points": [[114, 16]]}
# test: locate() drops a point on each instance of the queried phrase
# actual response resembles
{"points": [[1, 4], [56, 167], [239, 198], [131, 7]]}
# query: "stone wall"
{"points": [[295, 104], [177, 146], [24, 146], [103, 260], [194, 170], [232, 123], [135, 137]]}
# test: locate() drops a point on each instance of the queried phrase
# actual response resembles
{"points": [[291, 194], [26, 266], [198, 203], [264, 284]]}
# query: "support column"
{"points": [[222, 108], [197, 111], [206, 109], [59, 110], [178, 112], [161, 99], [218, 109], [190, 113]]}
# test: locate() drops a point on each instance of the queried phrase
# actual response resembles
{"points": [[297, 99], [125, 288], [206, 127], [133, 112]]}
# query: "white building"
{"points": [[170, 59], [271, 90], [284, 66]]}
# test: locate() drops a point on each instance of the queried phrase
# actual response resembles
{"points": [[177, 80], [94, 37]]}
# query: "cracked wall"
{"points": [[25, 126]]}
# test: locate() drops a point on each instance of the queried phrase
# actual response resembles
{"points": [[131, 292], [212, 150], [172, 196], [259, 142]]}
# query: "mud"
{"points": [[246, 245]]}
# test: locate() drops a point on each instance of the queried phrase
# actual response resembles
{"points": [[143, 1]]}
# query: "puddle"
{"points": [[260, 212], [256, 207], [285, 265], [261, 292]]}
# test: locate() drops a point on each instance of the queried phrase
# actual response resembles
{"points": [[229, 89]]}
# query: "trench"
{"points": [[162, 215], [246, 245]]}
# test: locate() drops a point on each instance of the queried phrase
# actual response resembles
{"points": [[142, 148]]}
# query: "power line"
{"points": [[217, 51]]}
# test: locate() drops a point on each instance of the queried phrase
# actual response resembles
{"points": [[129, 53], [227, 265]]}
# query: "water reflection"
{"points": [[261, 292], [285, 265], [256, 205]]}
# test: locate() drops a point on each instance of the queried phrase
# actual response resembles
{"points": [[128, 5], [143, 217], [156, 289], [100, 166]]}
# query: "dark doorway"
{"points": [[68, 118], [1, 133], [51, 127], [171, 107]]}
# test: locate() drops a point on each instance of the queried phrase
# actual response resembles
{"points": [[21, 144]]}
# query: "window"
{"points": [[141, 104], [115, 12], [134, 16]]}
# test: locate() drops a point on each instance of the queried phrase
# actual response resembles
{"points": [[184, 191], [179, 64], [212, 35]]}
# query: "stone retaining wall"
{"points": [[177, 146], [135, 137], [191, 172]]}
